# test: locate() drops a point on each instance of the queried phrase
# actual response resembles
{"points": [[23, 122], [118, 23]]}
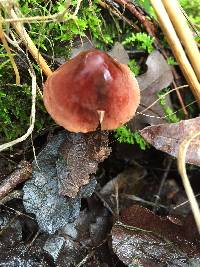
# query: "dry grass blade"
{"points": [[184, 33], [167, 93], [176, 47], [18, 26], [182, 170], [7, 48], [55, 17]]}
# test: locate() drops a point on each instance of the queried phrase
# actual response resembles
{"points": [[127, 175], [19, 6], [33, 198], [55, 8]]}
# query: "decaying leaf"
{"points": [[157, 77], [149, 240], [79, 157], [41, 192], [119, 53], [168, 137]]}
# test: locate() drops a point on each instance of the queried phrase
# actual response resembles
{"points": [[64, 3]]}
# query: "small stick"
{"points": [[180, 100], [157, 100], [117, 13], [176, 47], [17, 194], [21, 174], [55, 17], [150, 28]]}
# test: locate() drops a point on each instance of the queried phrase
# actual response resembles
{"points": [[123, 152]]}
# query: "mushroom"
{"points": [[89, 90]]}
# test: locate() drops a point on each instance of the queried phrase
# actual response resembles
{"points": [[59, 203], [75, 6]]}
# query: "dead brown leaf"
{"points": [[146, 239], [81, 154], [157, 77], [168, 137]]}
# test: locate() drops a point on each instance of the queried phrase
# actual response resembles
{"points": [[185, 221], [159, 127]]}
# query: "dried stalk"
{"points": [[21, 174], [182, 170], [27, 40], [176, 47], [7, 48], [55, 17], [184, 33]]}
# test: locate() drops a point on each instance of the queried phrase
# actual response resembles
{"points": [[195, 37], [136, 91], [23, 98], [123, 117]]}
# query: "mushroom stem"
{"points": [[101, 114]]}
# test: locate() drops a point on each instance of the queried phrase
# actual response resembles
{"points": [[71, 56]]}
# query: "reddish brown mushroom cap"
{"points": [[89, 89]]}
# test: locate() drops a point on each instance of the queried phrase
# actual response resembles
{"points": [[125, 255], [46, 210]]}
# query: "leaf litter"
{"points": [[146, 239], [157, 77], [168, 137], [43, 193], [65, 173]]}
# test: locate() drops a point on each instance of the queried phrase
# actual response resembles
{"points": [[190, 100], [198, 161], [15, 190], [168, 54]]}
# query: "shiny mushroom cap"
{"points": [[89, 90]]}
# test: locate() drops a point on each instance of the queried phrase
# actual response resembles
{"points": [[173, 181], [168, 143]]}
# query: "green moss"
{"points": [[124, 135], [139, 40], [192, 8], [134, 67], [15, 108]]}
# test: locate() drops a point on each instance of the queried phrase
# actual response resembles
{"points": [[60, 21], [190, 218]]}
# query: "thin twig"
{"points": [[184, 203], [19, 213], [16, 194], [141, 200], [150, 28], [166, 116], [86, 258], [180, 99], [162, 184], [21, 174], [77, 7], [117, 13]]}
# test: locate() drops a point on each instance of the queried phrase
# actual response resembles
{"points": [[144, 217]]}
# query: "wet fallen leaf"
{"points": [[79, 157], [41, 193], [168, 137], [149, 240]]}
